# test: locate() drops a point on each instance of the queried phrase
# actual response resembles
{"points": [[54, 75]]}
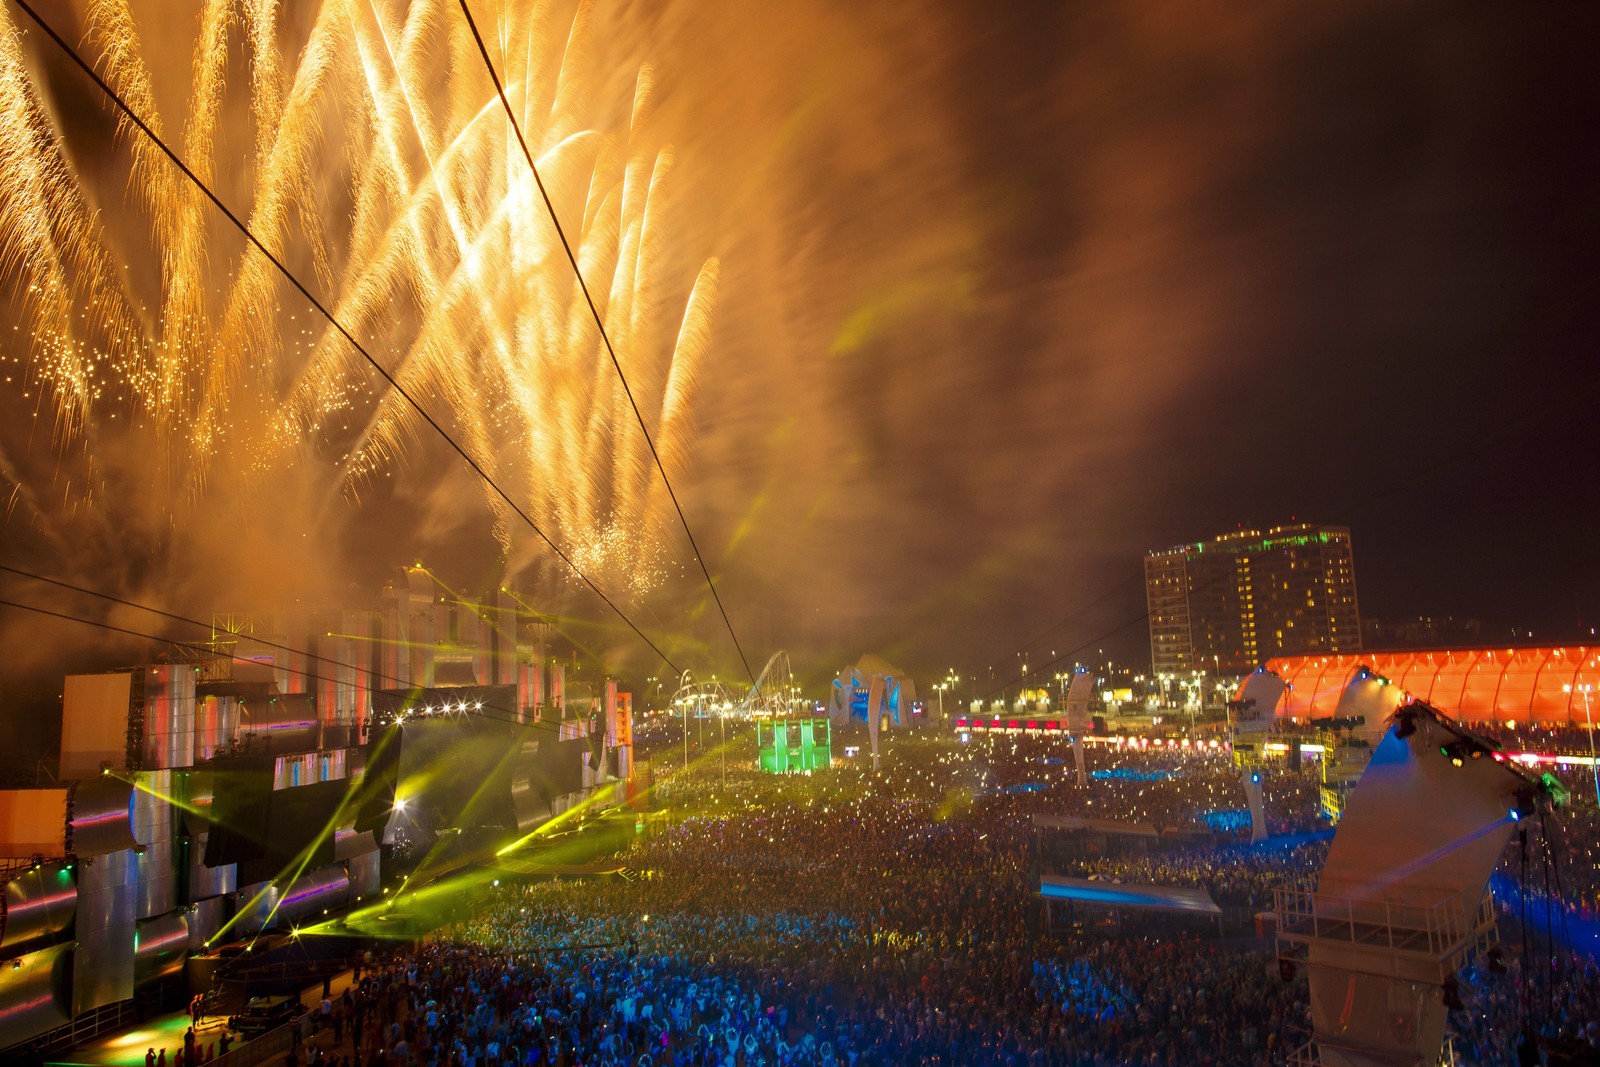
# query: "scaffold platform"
{"points": [[1423, 942]]}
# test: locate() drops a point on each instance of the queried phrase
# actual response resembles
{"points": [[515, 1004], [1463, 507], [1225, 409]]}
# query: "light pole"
{"points": [[683, 702], [1594, 766], [727, 706]]}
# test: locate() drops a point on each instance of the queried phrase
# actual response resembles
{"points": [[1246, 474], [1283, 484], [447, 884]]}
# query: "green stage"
{"points": [[790, 746]]}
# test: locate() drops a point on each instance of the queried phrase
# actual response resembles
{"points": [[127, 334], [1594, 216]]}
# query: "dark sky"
{"points": [[1161, 272], [1011, 294]]}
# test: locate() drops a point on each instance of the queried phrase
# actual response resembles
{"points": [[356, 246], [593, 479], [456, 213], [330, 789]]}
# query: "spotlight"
{"points": [[1405, 723], [1464, 748]]}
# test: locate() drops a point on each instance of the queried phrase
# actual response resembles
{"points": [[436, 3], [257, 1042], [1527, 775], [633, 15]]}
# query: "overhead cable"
{"points": [[321, 309]]}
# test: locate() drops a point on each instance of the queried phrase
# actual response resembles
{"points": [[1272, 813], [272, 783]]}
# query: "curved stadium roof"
{"points": [[1475, 684]]}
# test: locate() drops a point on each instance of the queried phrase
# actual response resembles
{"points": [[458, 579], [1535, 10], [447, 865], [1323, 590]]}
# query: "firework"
{"points": [[374, 159]]}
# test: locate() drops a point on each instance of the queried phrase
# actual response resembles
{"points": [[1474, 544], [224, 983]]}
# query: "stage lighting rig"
{"points": [[1465, 748]]}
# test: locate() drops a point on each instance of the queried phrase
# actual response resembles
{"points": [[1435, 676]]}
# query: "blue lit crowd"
{"points": [[857, 919]]}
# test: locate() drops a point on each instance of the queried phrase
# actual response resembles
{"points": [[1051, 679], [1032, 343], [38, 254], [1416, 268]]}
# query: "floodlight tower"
{"points": [[1400, 903]]}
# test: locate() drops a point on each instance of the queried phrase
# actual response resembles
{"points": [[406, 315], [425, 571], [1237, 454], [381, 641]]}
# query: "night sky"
{"points": [[1009, 298], [1140, 275]]}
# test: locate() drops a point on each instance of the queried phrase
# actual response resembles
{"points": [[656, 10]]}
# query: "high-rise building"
{"points": [[1237, 600]]}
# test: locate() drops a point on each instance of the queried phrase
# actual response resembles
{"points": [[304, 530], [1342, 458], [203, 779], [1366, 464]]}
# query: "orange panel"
{"points": [[1472, 684], [1403, 668], [1585, 707], [1518, 683], [1450, 680], [1296, 701], [1426, 683], [1307, 676], [1482, 685], [1316, 667], [1330, 683]]}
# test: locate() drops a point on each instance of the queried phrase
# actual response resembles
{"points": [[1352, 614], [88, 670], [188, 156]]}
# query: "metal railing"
{"points": [[253, 1051], [83, 1027], [1433, 929], [1309, 1055]]}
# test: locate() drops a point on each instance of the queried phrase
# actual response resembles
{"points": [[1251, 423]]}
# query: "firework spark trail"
{"points": [[433, 249], [48, 240]]}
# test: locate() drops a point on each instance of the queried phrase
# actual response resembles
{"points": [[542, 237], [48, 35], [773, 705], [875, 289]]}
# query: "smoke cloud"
{"points": [[1002, 300]]}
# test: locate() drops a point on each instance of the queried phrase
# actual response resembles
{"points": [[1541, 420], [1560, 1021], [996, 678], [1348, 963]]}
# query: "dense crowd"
{"points": [[858, 919], [1237, 875], [1552, 738]]}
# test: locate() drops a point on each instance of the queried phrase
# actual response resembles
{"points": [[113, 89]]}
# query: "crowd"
{"points": [[1236, 875], [856, 919], [1552, 738]]}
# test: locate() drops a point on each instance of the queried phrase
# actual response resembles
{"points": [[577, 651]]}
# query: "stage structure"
{"points": [[788, 746], [1250, 717], [1343, 738], [1348, 738], [875, 693], [457, 761], [1079, 720], [774, 696], [1400, 904], [251, 787]]}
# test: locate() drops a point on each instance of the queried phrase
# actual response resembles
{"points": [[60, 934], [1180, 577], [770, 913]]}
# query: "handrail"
{"points": [[256, 1049], [1305, 912]]}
